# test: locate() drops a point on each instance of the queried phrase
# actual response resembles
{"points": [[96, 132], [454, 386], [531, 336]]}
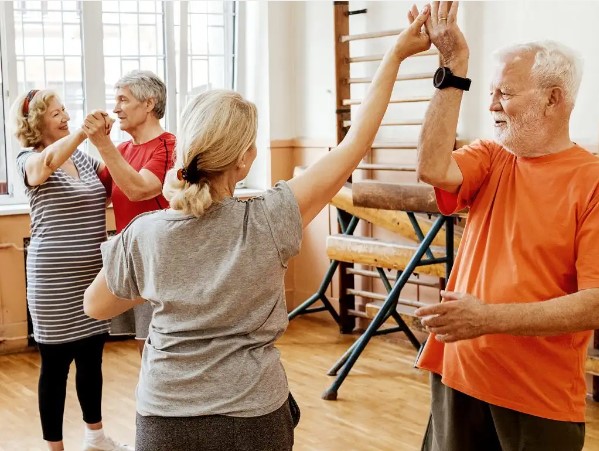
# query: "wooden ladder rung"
{"points": [[379, 57], [386, 167], [406, 313], [393, 123], [382, 297], [406, 77], [381, 254], [401, 100], [372, 35], [412, 280], [357, 313], [395, 145]]}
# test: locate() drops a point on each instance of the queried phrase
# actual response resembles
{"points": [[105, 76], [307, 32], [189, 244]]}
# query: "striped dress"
{"points": [[68, 223]]}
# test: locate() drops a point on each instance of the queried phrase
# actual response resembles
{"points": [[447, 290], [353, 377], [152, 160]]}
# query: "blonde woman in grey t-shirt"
{"points": [[213, 268]]}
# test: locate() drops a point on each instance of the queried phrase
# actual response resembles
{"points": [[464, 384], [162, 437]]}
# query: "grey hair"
{"points": [[145, 85], [555, 64]]}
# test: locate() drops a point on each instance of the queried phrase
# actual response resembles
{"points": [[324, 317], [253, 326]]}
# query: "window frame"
{"points": [[7, 30]]}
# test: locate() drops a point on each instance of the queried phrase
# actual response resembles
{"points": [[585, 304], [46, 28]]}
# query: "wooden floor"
{"points": [[383, 405]]}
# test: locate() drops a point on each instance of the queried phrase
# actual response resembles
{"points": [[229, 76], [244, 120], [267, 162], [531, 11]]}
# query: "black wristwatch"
{"points": [[444, 78]]}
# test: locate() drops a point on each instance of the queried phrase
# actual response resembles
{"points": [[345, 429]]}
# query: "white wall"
{"points": [[314, 84], [487, 26], [281, 26]]}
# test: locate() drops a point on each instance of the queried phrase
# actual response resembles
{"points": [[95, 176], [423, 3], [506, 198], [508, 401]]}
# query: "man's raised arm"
{"points": [[437, 136]]}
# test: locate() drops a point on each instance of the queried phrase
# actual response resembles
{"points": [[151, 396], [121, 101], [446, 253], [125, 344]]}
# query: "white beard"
{"points": [[524, 135]]}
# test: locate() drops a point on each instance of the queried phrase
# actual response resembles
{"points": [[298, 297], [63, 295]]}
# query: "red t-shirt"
{"points": [[532, 234], [156, 156]]}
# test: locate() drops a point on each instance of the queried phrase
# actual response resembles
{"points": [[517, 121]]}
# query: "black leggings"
{"points": [[52, 389]]}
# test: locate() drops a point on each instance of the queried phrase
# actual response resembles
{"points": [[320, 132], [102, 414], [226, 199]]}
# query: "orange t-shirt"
{"points": [[532, 235]]}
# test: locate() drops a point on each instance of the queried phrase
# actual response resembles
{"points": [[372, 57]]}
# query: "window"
{"points": [[133, 40], [208, 42], [48, 51], [51, 38]]}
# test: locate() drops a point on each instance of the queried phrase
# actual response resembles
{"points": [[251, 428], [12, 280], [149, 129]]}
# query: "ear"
{"points": [[150, 104], [242, 163], [556, 97]]}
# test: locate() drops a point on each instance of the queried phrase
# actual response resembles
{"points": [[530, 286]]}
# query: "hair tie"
{"points": [[190, 174], [182, 174], [27, 100]]}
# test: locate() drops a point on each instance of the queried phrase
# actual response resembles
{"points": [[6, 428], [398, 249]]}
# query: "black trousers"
{"points": [[270, 432], [52, 389], [460, 422]]}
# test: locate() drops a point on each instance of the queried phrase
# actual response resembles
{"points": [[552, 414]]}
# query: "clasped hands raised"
{"points": [[436, 24], [97, 126]]}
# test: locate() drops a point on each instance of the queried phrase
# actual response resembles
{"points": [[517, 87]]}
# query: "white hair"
{"points": [[555, 64]]}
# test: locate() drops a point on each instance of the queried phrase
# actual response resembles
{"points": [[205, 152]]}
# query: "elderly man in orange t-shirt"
{"points": [[508, 343]]}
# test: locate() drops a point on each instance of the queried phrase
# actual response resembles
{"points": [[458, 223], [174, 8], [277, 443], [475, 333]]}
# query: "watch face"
{"points": [[438, 77]]}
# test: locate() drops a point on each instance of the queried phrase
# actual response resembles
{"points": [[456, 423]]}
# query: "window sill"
{"points": [[14, 209]]}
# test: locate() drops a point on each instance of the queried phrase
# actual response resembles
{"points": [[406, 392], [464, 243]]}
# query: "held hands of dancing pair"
{"points": [[97, 126], [436, 24]]}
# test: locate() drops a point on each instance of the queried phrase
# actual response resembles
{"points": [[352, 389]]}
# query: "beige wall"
{"points": [[13, 313]]}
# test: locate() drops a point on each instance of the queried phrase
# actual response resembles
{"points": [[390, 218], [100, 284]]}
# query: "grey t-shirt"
{"points": [[216, 285]]}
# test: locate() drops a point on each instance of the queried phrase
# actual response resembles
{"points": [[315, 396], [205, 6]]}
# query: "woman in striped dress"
{"points": [[68, 223]]}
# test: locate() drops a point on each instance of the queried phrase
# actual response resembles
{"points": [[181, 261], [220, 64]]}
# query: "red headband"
{"points": [[27, 100]]}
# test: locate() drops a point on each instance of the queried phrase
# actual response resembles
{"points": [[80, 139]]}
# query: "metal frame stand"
{"points": [[349, 358]]}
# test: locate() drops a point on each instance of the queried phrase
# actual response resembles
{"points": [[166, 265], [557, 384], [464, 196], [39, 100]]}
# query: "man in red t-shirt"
{"points": [[135, 170], [508, 343]]}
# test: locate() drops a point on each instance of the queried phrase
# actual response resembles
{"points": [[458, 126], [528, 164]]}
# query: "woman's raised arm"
{"points": [[42, 165], [317, 185]]}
